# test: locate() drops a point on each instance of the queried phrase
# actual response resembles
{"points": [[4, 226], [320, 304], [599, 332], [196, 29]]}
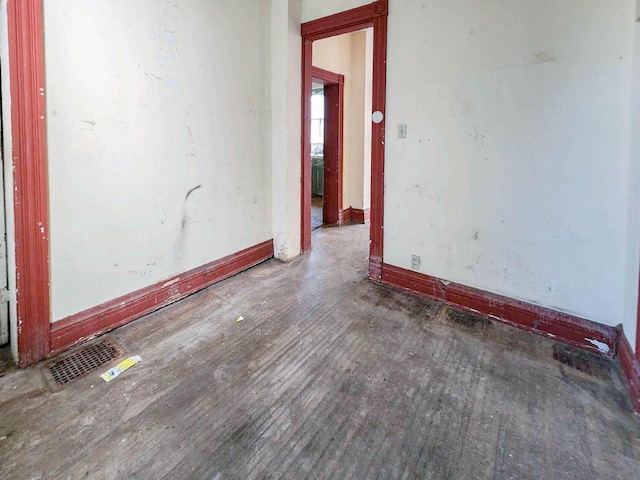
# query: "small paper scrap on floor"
{"points": [[239, 319], [121, 367]]}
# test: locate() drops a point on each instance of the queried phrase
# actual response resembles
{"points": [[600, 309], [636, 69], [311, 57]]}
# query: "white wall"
{"points": [[146, 101], [334, 54], [349, 55], [361, 58], [514, 175], [314, 9], [286, 121], [633, 234]]}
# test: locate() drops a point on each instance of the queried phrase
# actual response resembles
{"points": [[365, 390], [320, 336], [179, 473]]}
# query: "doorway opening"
{"points": [[344, 70], [327, 153], [317, 156]]}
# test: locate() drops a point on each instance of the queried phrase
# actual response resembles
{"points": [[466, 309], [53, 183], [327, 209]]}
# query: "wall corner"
{"points": [[286, 124]]}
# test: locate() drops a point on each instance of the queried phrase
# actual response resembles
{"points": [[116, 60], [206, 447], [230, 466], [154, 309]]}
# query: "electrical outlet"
{"points": [[402, 130], [415, 262]]}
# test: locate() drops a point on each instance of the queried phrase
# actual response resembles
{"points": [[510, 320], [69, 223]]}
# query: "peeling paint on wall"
{"points": [[539, 58], [166, 36], [603, 347]]}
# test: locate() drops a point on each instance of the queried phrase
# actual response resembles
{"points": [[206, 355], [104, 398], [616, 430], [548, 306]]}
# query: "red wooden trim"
{"points": [[340, 147], [98, 320], [372, 15], [346, 216], [630, 368], [543, 321], [638, 325], [343, 30], [305, 176], [356, 215], [377, 147], [325, 77], [344, 22], [28, 124], [533, 318], [332, 213], [333, 153]]}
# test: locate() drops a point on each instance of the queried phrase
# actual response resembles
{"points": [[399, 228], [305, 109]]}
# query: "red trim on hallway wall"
{"points": [[120, 311], [333, 153], [630, 368], [377, 148], [533, 318], [638, 325], [372, 15], [543, 321], [29, 155], [325, 77], [332, 213], [356, 215], [344, 22]]}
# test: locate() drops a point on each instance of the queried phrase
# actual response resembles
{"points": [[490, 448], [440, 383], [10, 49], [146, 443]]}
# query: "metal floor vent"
{"points": [[83, 361]]}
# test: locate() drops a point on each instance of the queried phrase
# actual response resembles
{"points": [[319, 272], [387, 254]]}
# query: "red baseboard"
{"points": [[344, 216], [355, 215], [540, 320], [375, 268], [630, 368], [120, 311]]}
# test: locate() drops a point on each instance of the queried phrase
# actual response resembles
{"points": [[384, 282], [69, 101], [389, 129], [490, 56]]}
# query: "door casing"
{"points": [[25, 28], [332, 212], [371, 15]]}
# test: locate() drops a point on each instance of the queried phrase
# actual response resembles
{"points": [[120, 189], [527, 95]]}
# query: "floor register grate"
{"points": [[83, 361]]}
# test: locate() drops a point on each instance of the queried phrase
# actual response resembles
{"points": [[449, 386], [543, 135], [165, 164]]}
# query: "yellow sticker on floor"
{"points": [[121, 367]]}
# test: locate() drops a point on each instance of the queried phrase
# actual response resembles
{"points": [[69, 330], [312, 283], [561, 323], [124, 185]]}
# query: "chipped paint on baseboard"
{"points": [[171, 282], [603, 347]]}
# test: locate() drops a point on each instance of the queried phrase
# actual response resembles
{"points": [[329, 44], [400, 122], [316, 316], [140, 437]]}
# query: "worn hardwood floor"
{"points": [[328, 376], [316, 212]]}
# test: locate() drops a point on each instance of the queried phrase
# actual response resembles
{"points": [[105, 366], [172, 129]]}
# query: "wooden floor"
{"points": [[328, 376], [316, 212]]}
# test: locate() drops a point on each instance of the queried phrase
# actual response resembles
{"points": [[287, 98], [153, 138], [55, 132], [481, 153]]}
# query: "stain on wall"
{"points": [[517, 113], [145, 102]]}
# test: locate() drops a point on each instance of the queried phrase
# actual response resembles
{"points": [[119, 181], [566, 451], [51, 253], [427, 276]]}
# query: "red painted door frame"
{"points": [[30, 192], [638, 325], [372, 15], [332, 212]]}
